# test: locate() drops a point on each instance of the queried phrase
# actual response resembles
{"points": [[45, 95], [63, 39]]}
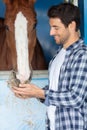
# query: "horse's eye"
{"points": [[34, 26]]}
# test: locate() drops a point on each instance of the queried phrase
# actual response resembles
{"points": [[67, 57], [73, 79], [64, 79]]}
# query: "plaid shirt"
{"points": [[71, 97]]}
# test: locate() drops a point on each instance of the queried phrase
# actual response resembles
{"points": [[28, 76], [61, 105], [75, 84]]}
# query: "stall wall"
{"points": [[43, 29], [83, 8], [2, 9]]}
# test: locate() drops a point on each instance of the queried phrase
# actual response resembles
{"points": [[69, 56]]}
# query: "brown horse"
{"points": [[8, 54]]}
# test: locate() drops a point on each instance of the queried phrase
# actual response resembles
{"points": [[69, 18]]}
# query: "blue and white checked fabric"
{"points": [[71, 97]]}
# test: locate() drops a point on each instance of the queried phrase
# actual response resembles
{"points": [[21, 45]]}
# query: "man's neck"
{"points": [[71, 40]]}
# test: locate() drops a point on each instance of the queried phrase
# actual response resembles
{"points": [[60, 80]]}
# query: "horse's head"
{"points": [[27, 8], [20, 19], [19, 29]]}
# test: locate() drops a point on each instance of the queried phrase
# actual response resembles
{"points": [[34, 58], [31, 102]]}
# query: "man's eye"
{"points": [[56, 28]]}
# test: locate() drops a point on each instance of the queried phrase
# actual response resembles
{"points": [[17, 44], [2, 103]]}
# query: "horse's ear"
{"points": [[6, 1], [31, 2]]}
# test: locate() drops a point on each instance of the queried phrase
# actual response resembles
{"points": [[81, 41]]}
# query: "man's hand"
{"points": [[28, 91]]}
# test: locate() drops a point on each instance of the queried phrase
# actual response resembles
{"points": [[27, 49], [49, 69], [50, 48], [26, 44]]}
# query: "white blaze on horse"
{"points": [[21, 38], [20, 49]]}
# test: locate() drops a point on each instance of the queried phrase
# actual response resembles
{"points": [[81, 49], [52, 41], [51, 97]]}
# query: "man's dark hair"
{"points": [[66, 12]]}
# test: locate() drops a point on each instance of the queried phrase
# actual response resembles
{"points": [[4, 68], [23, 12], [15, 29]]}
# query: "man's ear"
{"points": [[72, 25]]}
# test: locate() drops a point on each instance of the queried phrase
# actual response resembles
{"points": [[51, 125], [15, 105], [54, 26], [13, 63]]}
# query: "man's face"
{"points": [[59, 31]]}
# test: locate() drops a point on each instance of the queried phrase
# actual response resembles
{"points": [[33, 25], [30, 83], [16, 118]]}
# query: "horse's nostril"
{"points": [[14, 81]]}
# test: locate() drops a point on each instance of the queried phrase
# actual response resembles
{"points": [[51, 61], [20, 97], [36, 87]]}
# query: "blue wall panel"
{"points": [[43, 29], [85, 21], [83, 8], [2, 9]]}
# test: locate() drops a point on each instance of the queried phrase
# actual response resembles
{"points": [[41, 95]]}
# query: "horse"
{"points": [[8, 50], [8, 54], [15, 113]]}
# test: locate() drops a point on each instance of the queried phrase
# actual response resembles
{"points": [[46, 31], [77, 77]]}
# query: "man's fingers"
{"points": [[21, 96]]}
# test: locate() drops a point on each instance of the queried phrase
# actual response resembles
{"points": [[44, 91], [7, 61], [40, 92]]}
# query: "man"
{"points": [[66, 94]]}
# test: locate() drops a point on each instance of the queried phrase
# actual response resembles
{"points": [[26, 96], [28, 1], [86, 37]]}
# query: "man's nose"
{"points": [[52, 32]]}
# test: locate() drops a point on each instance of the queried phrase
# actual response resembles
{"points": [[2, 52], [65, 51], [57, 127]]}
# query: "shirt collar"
{"points": [[75, 45]]}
